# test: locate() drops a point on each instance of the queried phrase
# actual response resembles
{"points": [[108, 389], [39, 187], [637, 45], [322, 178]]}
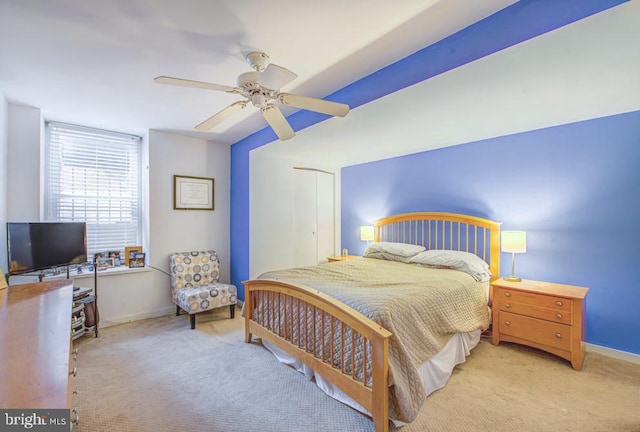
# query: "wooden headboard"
{"points": [[451, 231]]}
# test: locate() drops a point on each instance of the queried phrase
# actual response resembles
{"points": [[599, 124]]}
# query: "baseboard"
{"points": [[135, 317], [622, 355]]}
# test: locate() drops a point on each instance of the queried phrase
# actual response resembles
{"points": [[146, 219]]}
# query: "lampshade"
{"points": [[514, 241], [366, 233]]}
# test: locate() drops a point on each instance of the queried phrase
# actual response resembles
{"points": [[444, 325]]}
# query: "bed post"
{"points": [[248, 312], [379, 386]]}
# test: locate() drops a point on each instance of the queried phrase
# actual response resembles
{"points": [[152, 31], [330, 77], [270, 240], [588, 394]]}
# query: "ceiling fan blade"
{"points": [[274, 77], [313, 104], [220, 116], [196, 84], [278, 122]]}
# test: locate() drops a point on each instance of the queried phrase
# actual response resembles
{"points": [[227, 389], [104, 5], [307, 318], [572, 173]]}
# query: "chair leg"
{"points": [[177, 310], [192, 318], [232, 308]]}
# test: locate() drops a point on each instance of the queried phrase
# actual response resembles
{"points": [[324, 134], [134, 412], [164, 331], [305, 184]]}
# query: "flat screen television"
{"points": [[41, 245]]}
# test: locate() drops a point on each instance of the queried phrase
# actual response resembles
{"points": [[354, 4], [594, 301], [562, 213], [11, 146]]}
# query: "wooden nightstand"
{"points": [[340, 258], [544, 315]]}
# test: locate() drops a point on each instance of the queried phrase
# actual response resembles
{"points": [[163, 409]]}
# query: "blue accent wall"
{"points": [[521, 21], [572, 188]]}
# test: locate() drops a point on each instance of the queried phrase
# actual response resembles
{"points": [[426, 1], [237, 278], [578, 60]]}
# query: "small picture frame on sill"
{"points": [[129, 253], [138, 260], [192, 193], [104, 263]]}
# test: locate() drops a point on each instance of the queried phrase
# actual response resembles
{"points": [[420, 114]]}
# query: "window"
{"points": [[94, 176]]}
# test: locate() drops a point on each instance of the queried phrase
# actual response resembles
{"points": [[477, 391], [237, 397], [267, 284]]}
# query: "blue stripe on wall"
{"points": [[572, 188], [517, 23]]}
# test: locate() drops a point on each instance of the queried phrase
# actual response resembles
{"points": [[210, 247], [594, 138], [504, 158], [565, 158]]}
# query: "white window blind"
{"points": [[93, 176]]}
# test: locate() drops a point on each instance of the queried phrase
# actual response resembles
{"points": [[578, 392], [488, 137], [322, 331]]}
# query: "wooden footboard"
{"points": [[338, 342]]}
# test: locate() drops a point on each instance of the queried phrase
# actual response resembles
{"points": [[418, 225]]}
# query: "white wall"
{"points": [[23, 163], [271, 209], [4, 175], [271, 235], [183, 230], [140, 294]]}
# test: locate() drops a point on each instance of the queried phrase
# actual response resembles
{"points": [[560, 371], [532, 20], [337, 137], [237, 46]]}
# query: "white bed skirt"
{"points": [[435, 372]]}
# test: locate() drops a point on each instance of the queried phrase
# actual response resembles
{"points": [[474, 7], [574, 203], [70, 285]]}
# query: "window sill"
{"points": [[26, 278], [120, 270]]}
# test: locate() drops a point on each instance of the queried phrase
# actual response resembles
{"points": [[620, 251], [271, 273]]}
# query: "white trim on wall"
{"points": [[610, 352]]}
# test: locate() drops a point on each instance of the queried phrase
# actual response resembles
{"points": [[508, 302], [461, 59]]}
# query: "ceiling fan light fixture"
{"points": [[258, 99]]}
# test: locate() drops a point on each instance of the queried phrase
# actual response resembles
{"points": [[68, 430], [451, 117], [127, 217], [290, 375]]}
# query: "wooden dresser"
{"points": [[36, 361], [544, 315]]}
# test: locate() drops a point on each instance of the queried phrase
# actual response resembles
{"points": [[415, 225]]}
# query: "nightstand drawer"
{"points": [[536, 330], [506, 295], [534, 311]]}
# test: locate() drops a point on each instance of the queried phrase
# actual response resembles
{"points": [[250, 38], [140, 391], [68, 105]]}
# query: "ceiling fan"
{"points": [[261, 88]]}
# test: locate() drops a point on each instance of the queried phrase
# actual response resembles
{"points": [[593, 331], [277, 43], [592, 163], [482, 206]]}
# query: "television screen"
{"points": [[40, 245]]}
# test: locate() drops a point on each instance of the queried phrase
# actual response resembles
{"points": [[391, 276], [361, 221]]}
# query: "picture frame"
{"points": [[129, 251], [104, 263], [193, 193], [116, 257], [137, 260]]}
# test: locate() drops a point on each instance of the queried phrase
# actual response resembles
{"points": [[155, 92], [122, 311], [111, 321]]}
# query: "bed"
{"points": [[361, 325]]}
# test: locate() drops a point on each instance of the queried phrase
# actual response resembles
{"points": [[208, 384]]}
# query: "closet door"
{"points": [[314, 217], [325, 215], [305, 238]]}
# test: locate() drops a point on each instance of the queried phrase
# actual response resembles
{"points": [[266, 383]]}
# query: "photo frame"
{"points": [[104, 263], [137, 260], [192, 193], [129, 251]]}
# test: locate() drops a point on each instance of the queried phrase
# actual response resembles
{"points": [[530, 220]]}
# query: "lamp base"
{"points": [[512, 279]]}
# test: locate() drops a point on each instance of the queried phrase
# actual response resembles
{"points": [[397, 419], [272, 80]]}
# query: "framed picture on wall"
{"points": [[192, 193]]}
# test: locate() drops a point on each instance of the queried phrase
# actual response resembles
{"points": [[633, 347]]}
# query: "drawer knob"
{"points": [[507, 323], [559, 315], [74, 372], [508, 305], [559, 303], [558, 335], [507, 294]]}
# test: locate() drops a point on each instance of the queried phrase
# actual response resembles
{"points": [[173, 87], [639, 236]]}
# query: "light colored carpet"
{"points": [[159, 375]]}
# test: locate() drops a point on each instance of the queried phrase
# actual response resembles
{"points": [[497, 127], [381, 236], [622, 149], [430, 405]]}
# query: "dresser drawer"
{"points": [[536, 330], [505, 295], [535, 311]]}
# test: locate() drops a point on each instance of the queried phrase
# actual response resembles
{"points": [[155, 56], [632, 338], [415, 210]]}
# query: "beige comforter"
{"points": [[422, 307]]}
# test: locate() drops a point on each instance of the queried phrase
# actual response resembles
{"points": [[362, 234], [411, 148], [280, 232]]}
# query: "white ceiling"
{"points": [[92, 62], [586, 70]]}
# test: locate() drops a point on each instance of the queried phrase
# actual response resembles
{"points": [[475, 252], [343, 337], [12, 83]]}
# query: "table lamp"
{"points": [[514, 242], [366, 233]]}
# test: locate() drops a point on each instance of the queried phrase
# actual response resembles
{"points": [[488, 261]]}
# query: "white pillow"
{"points": [[456, 260], [399, 249]]}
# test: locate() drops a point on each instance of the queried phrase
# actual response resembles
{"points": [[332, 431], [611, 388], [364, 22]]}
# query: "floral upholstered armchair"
{"points": [[194, 284]]}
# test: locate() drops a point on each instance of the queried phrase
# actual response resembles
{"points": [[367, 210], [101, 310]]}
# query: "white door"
{"points": [[313, 217], [325, 215]]}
